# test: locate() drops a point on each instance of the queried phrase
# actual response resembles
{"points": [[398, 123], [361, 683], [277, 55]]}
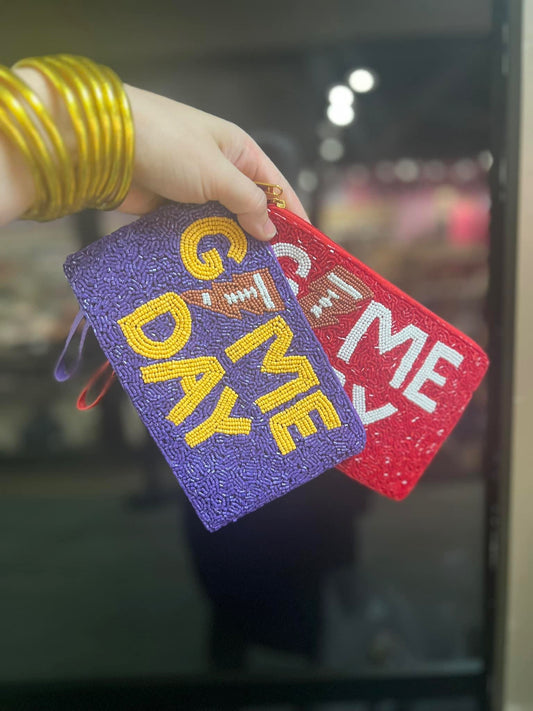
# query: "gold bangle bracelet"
{"points": [[100, 172], [90, 75], [29, 127], [82, 172], [65, 169], [85, 123], [123, 137], [9, 128], [119, 161], [128, 143]]}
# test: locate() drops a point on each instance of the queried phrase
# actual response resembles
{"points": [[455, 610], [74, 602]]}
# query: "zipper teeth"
{"points": [[297, 221]]}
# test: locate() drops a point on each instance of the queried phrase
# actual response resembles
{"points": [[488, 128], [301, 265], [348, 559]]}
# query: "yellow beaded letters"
{"points": [[210, 266], [132, 326], [298, 415], [199, 376], [208, 368], [220, 421], [276, 362]]}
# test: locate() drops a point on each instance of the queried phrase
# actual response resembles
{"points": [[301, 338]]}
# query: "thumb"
{"points": [[243, 197]]}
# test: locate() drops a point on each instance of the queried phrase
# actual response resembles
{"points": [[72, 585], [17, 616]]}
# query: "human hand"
{"points": [[187, 155], [181, 154]]}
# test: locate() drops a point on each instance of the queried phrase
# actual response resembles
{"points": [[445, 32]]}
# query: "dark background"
{"points": [[111, 593]]}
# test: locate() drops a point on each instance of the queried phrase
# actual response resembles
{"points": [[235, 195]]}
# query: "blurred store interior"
{"points": [[380, 115]]}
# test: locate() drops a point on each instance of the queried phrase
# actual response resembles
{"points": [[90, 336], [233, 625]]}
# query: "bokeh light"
{"points": [[362, 80]]}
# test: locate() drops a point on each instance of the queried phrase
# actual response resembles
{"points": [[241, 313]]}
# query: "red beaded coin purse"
{"points": [[409, 374]]}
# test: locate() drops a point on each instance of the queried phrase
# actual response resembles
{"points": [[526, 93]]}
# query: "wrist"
{"points": [[137, 100], [75, 130], [17, 186]]}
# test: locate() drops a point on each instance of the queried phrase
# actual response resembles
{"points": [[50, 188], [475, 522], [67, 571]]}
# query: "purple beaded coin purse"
{"points": [[204, 334]]}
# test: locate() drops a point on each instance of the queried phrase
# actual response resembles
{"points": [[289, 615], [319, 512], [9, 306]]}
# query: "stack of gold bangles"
{"points": [[100, 175]]}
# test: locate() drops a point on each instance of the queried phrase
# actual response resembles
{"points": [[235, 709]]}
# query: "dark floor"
{"points": [[92, 587]]}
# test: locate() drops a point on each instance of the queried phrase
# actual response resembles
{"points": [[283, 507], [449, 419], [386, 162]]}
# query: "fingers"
{"points": [[267, 172], [254, 163], [186, 155], [241, 196]]}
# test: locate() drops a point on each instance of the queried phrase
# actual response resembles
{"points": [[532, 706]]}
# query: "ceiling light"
{"points": [[362, 80], [341, 94], [340, 114], [307, 180], [406, 170], [331, 149], [465, 170]]}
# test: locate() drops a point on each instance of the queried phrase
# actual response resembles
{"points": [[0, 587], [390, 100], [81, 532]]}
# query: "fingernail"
{"points": [[269, 229]]}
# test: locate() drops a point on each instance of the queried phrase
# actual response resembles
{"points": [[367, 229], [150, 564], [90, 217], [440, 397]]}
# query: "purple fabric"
{"points": [[227, 476]]}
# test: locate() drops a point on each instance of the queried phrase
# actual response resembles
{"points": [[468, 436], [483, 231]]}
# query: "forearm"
{"points": [[181, 154], [16, 183]]}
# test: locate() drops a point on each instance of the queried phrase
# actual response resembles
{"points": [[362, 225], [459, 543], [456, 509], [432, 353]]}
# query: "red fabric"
{"points": [[406, 435], [82, 404]]}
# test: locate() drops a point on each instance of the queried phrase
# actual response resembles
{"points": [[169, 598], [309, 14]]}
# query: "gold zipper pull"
{"points": [[273, 193]]}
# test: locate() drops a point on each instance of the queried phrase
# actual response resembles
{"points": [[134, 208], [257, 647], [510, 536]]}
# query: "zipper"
{"points": [[273, 193]]}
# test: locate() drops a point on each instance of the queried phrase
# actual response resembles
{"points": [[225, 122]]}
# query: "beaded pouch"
{"points": [[204, 334], [410, 375]]}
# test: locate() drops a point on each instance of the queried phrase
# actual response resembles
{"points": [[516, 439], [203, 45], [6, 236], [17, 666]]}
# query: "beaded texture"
{"points": [[409, 374], [206, 337]]}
